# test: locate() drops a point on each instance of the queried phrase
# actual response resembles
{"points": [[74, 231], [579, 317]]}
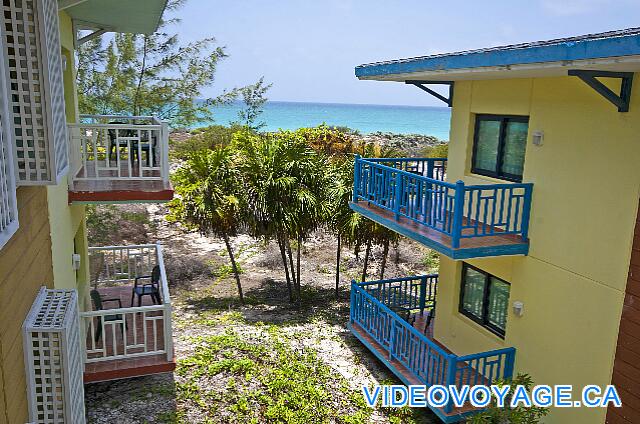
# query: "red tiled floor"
{"points": [[127, 367]]}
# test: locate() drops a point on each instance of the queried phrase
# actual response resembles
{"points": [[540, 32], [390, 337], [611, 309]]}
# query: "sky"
{"points": [[308, 48]]}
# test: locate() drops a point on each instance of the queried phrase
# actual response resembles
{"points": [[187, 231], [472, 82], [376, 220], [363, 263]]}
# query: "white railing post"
{"points": [[129, 136], [164, 151], [166, 300]]}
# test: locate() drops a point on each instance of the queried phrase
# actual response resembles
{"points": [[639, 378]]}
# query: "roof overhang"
{"points": [[532, 70], [617, 53], [128, 16]]}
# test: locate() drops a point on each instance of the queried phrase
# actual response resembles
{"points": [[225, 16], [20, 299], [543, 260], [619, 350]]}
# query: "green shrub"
{"points": [[115, 224], [436, 151], [431, 260], [101, 224], [204, 138], [518, 415]]}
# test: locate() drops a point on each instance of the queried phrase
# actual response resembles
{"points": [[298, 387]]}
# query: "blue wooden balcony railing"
{"points": [[408, 293], [434, 168], [415, 189], [428, 362]]}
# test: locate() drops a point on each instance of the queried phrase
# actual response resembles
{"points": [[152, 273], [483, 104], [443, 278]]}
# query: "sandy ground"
{"points": [[201, 286]]}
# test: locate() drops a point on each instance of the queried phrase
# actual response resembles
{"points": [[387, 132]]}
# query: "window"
{"points": [[485, 299], [499, 144]]}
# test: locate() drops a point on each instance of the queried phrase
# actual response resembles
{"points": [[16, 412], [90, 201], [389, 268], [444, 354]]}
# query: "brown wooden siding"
{"points": [[626, 368], [25, 265]]}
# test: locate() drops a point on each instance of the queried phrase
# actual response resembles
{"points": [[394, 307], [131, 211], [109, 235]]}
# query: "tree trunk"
{"points": [[356, 250], [143, 70], [234, 266], [298, 273], [291, 267], [397, 258], [385, 253], [366, 261], [286, 268], [338, 266]]}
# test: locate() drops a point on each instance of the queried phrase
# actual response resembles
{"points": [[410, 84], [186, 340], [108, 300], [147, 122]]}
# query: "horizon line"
{"points": [[343, 103]]}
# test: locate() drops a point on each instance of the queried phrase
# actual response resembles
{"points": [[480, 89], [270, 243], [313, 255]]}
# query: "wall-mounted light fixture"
{"points": [[76, 260], [537, 138], [518, 308]]}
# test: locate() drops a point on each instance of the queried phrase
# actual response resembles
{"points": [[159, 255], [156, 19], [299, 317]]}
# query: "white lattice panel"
{"points": [[8, 201], [33, 55], [53, 358]]}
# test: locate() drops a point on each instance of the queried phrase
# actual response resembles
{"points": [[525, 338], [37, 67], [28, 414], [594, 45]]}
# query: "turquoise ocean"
{"points": [[364, 118]]}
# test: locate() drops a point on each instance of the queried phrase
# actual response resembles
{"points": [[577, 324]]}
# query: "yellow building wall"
{"points": [[25, 266], [586, 178], [38, 254], [68, 228]]}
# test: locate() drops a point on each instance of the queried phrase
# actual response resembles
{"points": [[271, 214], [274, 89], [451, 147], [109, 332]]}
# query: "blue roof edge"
{"points": [[599, 48]]}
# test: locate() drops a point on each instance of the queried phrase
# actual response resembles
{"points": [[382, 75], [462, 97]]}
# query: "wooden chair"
{"points": [[149, 289], [432, 314], [98, 300], [148, 147], [115, 142], [404, 313]]}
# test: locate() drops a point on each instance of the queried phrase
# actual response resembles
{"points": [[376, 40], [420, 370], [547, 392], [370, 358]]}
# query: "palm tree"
{"points": [[338, 146], [210, 198], [266, 187], [286, 190], [346, 224], [350, 226]]}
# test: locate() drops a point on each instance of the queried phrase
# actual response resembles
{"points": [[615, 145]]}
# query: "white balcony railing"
{"points": [[118, 148], [121, 328]]}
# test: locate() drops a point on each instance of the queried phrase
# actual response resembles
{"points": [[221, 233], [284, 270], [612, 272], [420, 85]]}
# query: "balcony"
{"points": [[389, 318], [127, 335], [119, 159], [460, 221]]}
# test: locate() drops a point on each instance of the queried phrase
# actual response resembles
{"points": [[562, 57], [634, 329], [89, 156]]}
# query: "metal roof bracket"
{"points": [[590, 78], [421, 84]]}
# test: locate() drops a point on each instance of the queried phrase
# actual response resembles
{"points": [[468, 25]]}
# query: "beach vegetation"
{"points": [[253, 98], [205, 138], [507, 414], [440, 150], [281, 186], [211, 199]]}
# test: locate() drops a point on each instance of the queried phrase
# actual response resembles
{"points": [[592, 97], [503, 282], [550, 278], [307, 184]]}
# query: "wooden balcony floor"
{"points": [[496, 245], [103, 189], [408, 377], [126, 367]]}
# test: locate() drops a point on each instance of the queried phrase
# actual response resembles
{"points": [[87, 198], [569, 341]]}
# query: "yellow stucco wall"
{"points": [[67, 222], [586, 179]]}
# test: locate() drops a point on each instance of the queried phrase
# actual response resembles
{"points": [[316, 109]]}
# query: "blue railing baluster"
{"points": [[451, 379], [392, 338], [458, 205], [509, 363], [526, 211], [398, 195], [427, 361], [423, 293], [356, 177], [414, 189]]}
